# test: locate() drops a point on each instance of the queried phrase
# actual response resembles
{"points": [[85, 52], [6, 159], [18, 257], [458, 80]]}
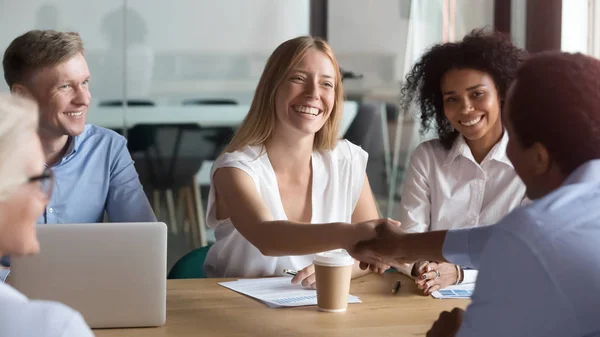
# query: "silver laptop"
{"points": [[113, 273]]}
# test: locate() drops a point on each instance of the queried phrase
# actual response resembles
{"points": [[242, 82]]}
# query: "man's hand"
{"points": [[367, 231], [447, 324], [384, 248], [394, 247]]}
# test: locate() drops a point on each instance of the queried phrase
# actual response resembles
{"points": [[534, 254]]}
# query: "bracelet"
{"points": [[458, 274]]}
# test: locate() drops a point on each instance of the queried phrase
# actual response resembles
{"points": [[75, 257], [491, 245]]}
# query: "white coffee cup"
{"points": [[333, 271]]}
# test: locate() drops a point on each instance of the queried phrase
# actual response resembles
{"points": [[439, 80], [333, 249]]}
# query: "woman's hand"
{"points": [[433, 276], [306, 277], [374, 243]]}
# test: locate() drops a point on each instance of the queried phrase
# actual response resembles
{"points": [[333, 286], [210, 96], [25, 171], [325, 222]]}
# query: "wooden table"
{"points": [[204, 308]]}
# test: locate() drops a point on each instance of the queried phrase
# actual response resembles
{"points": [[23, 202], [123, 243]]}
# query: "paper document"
{"points": [[277, 292], [457, 291]]}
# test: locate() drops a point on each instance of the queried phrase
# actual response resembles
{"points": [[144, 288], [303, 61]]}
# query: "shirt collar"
{"points": [[587, 172], [73, 146], [460, 148], [74, 143], [498, 152], [10, 293]]}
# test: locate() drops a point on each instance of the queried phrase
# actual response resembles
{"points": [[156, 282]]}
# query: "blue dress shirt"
{"points": [[95, 175], [538, 267]]}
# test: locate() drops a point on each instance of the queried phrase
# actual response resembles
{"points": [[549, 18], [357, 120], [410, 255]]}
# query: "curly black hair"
{"points": [[490, 52], [563, 112]]}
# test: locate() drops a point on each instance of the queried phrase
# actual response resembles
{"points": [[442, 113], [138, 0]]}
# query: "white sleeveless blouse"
{"points": [[338, 177]]}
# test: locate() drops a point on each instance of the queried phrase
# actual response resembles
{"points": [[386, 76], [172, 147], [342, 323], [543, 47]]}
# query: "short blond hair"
{"points": [[258, 125], [38, 49], [18, 123]]}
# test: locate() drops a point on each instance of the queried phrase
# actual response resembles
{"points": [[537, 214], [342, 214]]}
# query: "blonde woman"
{"points": [[286, 187], [25, 187]]}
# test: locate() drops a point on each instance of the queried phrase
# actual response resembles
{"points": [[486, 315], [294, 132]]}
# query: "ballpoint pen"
{"points": [[290, 272]]}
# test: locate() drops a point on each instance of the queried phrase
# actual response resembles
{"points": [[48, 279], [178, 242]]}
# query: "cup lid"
{"points": [[333, 258]]}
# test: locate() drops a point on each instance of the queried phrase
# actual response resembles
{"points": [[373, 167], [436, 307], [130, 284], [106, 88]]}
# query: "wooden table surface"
{"points": [[203, 308]]}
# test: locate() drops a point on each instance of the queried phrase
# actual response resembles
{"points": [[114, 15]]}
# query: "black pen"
{"points": [[396, 287], [290, 272]]}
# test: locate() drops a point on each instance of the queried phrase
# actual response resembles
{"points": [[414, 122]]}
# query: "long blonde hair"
{"points": [[18, 123], [258, 124]]}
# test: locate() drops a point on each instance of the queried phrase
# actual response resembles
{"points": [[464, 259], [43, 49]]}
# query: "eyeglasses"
{"points": [[46, 180]]}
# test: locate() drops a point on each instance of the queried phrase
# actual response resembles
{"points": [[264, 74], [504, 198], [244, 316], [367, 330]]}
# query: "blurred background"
{"points": [[177, 77]]}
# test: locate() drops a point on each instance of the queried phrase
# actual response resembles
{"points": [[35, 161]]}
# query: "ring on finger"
{"points": [[437, 274]]}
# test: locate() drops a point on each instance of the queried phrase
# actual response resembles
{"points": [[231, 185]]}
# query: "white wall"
{"points": [[367, 26], [518, 21], [188, 25], [382, 27], [370, 36], [574, 33], [190, 40], [594, 30], [185, 49], [471, 14]]}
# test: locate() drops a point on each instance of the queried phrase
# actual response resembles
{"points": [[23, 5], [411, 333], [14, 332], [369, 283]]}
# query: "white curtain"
{"points": [[430, 22]]}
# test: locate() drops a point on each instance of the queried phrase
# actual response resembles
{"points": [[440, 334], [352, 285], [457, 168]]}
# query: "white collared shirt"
{"points": [[448, 189], [22, 317], [338, 177]]}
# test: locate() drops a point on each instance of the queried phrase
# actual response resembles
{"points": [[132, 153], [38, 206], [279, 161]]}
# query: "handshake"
{"points": [[380, 243]]}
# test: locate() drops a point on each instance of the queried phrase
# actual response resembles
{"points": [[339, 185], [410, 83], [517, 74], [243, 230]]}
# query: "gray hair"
{"points": [[18, 122]]}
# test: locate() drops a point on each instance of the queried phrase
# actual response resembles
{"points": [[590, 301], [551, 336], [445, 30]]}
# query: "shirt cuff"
{"points": [[456, 247], [469, 276]]}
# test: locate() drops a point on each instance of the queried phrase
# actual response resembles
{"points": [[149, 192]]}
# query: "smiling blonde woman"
{"points": [[286, 188]]}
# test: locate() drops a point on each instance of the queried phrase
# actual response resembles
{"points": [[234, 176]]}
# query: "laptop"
{"points": [[114, 274]]}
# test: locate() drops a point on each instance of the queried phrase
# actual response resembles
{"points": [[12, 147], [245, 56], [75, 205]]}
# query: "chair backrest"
{"points": [[350, 75], [139, 138], [210, 101], [366, 131], [217, 137], [174, 158], [191, 265], [131, 102]]}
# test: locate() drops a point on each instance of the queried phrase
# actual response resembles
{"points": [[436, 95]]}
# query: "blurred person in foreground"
{"points": [[25, 188]]}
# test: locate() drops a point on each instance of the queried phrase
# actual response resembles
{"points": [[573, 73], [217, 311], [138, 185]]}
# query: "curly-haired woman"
{"points": [[463, 178]]}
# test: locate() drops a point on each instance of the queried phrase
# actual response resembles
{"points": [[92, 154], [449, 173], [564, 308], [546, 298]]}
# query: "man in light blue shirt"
{"points": [[538, 267], [93, 169], [96, 174]]}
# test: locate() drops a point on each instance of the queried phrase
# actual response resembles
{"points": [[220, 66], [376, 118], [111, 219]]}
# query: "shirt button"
{"points": [[50, 210]]}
